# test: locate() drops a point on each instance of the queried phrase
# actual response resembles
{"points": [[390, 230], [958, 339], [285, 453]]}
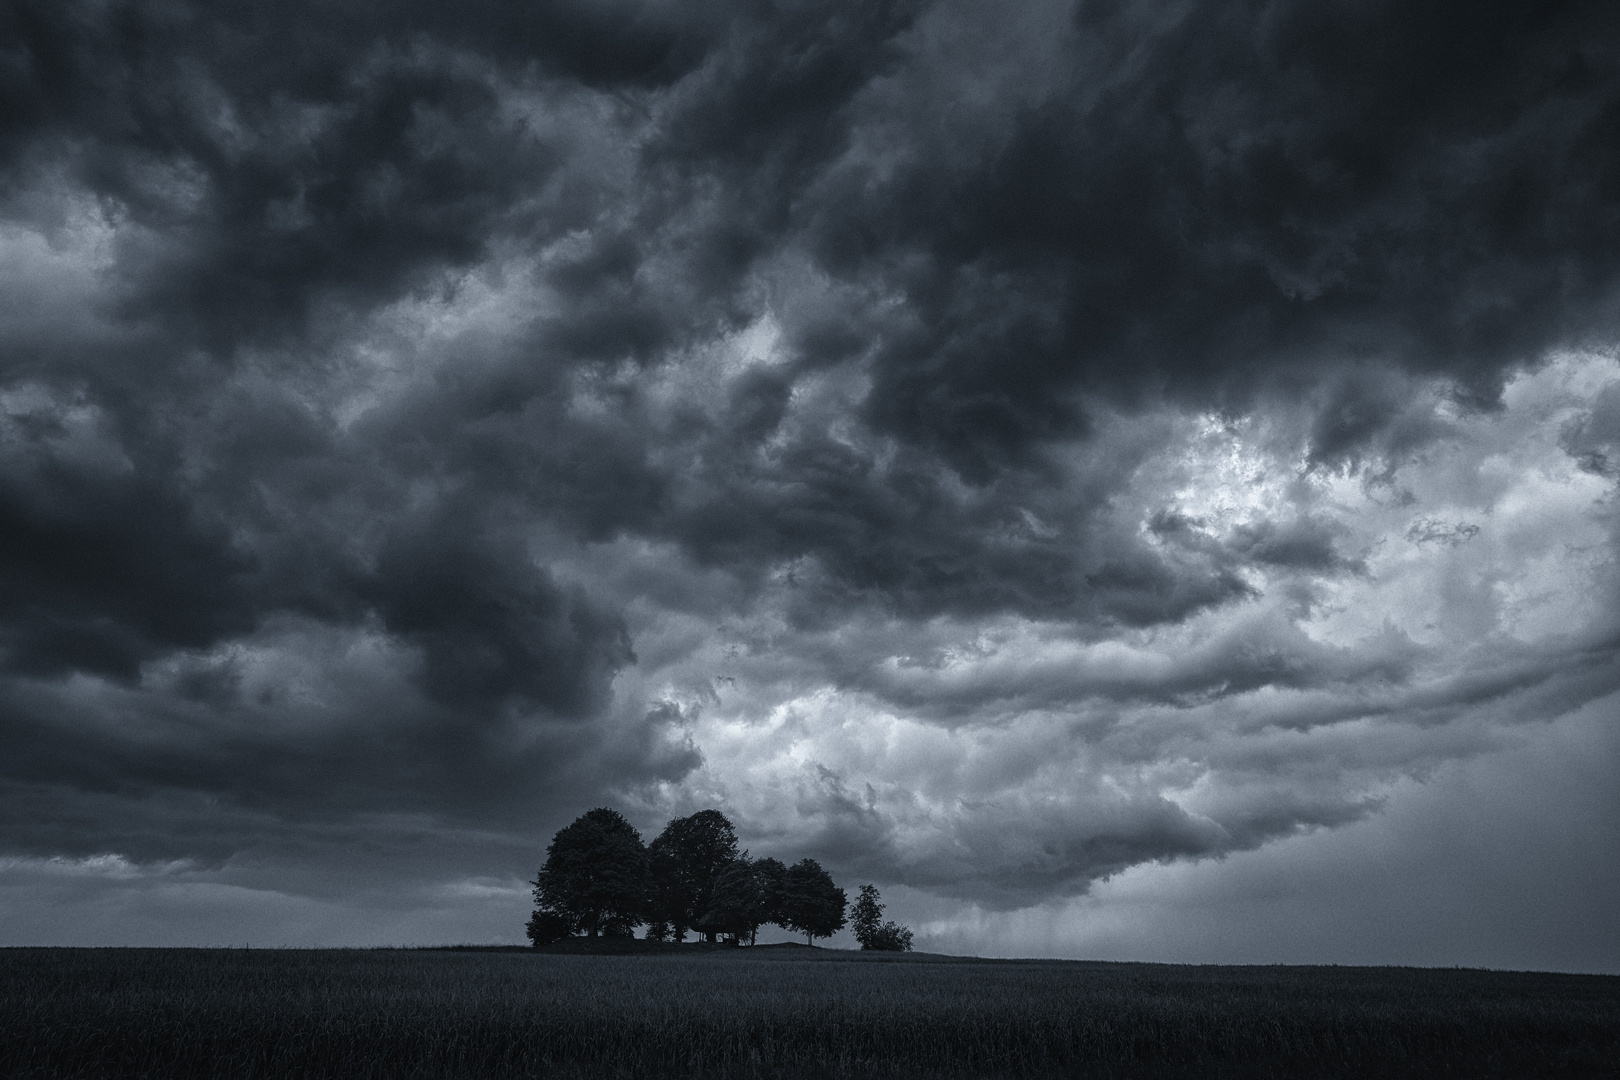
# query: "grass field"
{"points": [[780, 1011]]}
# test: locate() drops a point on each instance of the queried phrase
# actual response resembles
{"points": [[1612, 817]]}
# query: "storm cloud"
{"points": [[987, 447]]}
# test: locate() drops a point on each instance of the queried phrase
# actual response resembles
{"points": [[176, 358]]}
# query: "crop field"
{"points": [[777, 1012]]}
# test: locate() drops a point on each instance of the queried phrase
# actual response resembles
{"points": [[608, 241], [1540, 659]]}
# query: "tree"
{"points": [[892, 937], [667, 910], [811, 903], [866, 916], [547, 926], [866, 920], [594, 878], [688, 856], [739, 902], [771, 875]]}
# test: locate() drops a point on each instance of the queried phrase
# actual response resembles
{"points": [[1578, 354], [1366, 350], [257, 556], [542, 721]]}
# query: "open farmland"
{"points": [[776, 1011]]}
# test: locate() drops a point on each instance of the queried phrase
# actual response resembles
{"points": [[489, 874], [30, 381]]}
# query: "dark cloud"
{"points": [[418, 423], [492, 627], [1018, 854], [327, 154], [1303, 544], [107, 562], [1225, 194], [303, 754]]}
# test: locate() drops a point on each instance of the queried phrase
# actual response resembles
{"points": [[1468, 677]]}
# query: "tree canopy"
{"points": [[811, 903], [771, 875], [594, 879], [688, 858], [739, 903]]}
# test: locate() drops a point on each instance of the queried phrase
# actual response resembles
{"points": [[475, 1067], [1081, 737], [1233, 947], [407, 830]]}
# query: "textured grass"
{"points": [[777, 1012]]}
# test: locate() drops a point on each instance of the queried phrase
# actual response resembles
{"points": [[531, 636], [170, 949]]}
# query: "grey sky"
{"points": [[1114, 475]]}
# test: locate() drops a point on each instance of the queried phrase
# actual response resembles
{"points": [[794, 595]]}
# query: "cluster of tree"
{"points": [[600, 879], [870, 929]]}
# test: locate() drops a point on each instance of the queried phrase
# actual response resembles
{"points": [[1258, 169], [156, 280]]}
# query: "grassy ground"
{"points": [[777, 1011]]}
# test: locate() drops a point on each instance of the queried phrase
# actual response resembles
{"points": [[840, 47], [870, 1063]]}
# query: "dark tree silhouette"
{"points": [[594, 878], [598, 879], [866, 920], [866, 915], [740, 902], [666, 909], [811, 903], [771, 874], [547, 926], [688, 857]]}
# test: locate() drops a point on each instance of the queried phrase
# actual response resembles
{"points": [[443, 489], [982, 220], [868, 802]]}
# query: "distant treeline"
{"points": [[599, 879]]}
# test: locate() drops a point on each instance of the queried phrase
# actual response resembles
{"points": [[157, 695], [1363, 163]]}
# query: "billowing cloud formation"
{"points": [[987, 447], [1471, 590]]}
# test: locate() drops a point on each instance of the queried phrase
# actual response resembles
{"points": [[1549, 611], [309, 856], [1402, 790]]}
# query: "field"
{"points": [[777, 1012]]}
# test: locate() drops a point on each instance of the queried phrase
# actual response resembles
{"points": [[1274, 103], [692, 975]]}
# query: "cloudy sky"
{"points": [[1133, 480]]}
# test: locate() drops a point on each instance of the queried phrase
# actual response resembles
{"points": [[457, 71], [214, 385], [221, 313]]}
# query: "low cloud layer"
{"points": [[991, 449]]}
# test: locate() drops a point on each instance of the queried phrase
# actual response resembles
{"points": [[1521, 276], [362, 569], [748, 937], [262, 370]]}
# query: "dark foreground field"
{"points": [[789, 1012]]}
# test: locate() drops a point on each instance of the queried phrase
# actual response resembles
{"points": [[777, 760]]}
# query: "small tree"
{"points": [[866, 916], [866, 920], [892, 937], [593, 879], [811, 903]]}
